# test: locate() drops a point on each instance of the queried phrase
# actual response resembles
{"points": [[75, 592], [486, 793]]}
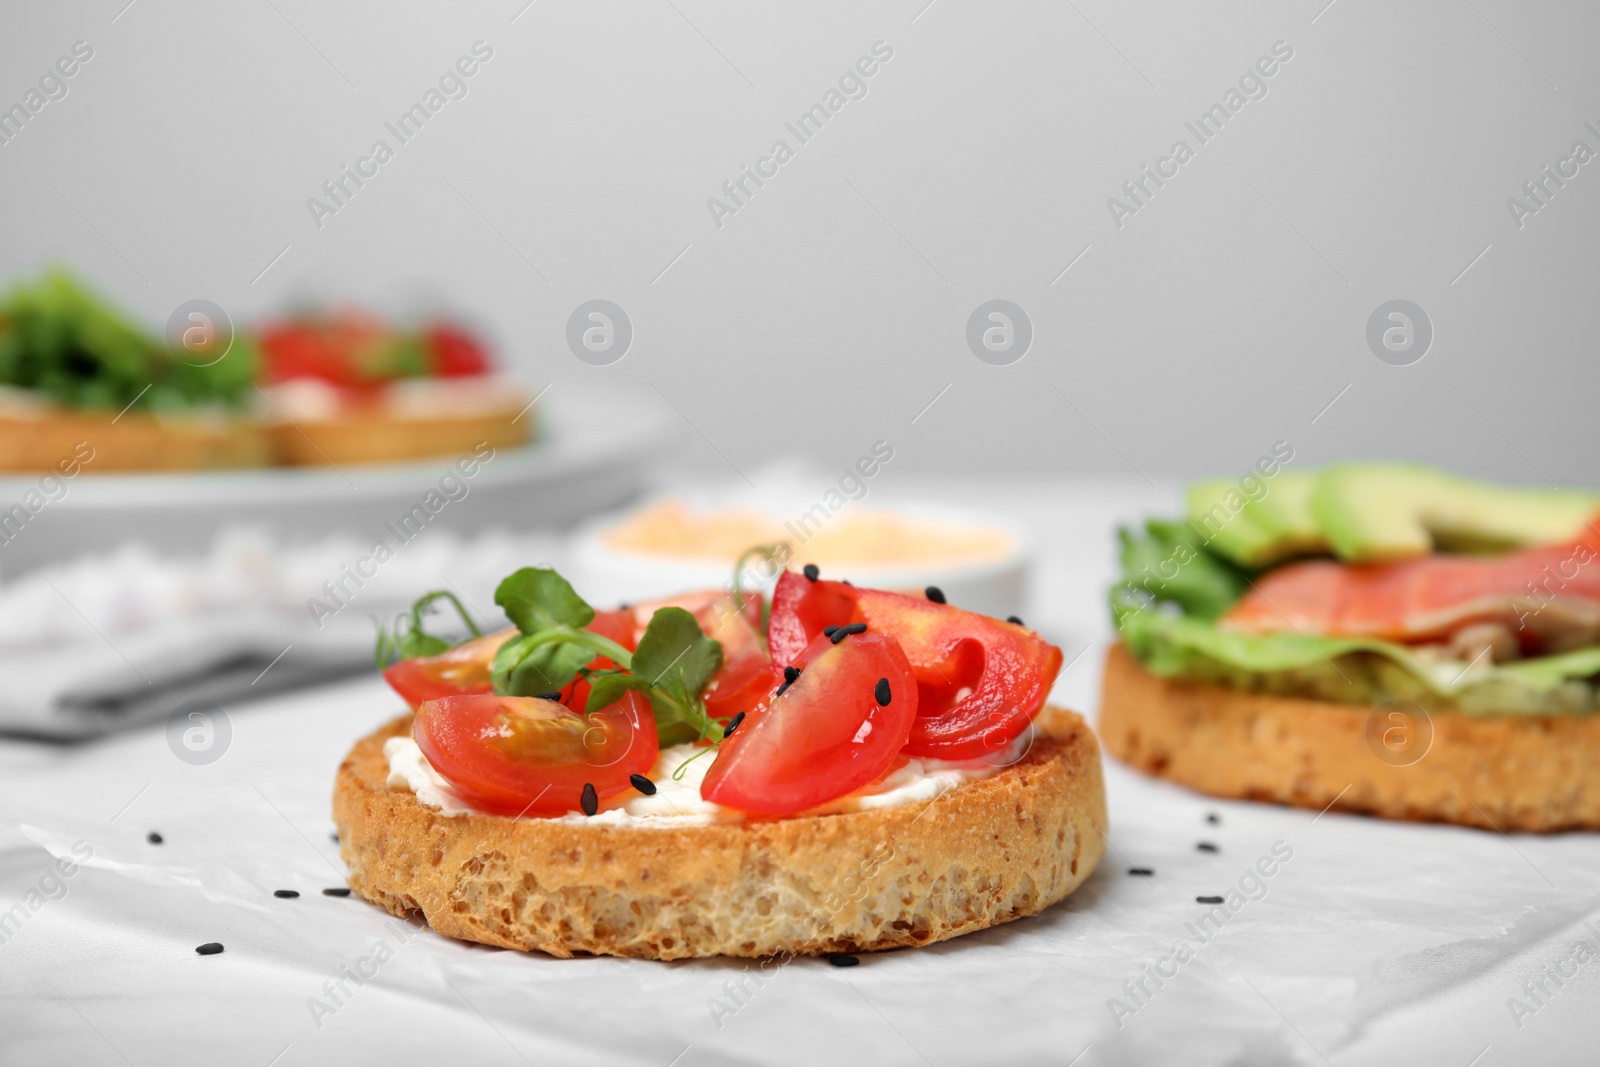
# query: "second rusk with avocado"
{"points": [[1387, 637]]}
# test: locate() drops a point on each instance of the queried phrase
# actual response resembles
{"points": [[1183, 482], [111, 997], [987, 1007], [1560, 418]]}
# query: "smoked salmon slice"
{"points": [[1548, 595]]}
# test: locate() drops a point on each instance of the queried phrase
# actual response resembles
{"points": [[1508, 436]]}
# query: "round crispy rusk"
{"points": [[132, 441], [381, 437], [1502, 772], [983, 853]]}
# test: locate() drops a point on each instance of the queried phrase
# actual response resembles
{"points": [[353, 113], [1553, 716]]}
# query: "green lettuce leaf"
{"points": [[1168, 561], [1553, 670], [1357, 670], [60, 339]]}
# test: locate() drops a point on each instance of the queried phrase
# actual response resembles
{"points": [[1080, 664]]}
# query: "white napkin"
{"points": [[104, 642]]}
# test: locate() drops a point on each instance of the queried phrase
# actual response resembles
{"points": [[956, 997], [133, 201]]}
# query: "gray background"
{"points": [[830, 311]]}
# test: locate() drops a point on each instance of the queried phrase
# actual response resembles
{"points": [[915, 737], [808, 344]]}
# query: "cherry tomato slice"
{"points": [[523, 755], [710, 606], [747, 676], [337, 348], [826, 736], [800, 609], [742, 685], [463, 669], [456, 353], [617, 625], [980, 681]]}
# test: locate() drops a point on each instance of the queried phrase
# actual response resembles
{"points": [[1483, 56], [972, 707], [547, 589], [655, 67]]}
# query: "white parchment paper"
{"points": [[1369, 943]]}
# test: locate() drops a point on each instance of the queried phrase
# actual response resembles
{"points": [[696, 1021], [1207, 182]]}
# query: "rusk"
{"points": [[984, 852], [131, 441], [1501, 772], [380, 437]]}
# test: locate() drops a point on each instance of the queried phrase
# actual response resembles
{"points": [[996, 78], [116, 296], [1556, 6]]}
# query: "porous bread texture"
{"points": [[1499, 772], [984, 852]]}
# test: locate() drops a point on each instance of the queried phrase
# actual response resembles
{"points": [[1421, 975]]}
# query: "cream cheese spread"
{"points": [[677, 800], [314, 400]]}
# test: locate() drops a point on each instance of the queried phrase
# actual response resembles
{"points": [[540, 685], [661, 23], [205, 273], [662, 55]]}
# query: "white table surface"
{"points": [[1377, 943]]}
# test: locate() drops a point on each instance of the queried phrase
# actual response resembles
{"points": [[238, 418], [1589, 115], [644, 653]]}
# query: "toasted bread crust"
{"points": [[985, 852], [1504, 772], [132, 441], [379, 437], [137, 441]]}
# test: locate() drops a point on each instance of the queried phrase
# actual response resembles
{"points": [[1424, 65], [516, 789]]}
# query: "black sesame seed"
{"points": [[791, 673], [811, 572], [1208, 900], [846, 581], [1213, 818], [643, 784], [935, 594], [153, 837], [336, 891], [842, 632], [829, 631], [782, 689], [881, 692], [210, 948], [335, 838], [1207, 846], [1142, 872], [285, 894], [733, 724], [839, 959], [589, 802], [548, 696], [1015, 620]]}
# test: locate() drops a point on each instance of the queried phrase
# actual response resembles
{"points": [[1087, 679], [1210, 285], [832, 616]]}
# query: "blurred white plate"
{"points": [[590, 457], [997, 586]]}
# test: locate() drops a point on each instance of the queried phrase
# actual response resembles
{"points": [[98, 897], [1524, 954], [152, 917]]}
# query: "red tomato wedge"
{"points": [[523, 755], [747, 676], [708, 605], [463, 669], [336, 348], [358, 351], [617, 625], [826, 736], [741, 686], [800, 609], [456, 353], [980, 681]]}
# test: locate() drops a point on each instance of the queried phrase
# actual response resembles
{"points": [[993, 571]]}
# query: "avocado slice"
{"points": [[1220, 514], [1373, 512], [1253, 531], [1286, 516]]}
